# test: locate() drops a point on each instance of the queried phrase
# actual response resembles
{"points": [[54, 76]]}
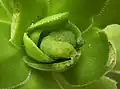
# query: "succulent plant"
{"points": [[59, 44]]}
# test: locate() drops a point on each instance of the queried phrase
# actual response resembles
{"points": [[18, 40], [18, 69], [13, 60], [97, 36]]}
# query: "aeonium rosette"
{"points": [[53, 43]]}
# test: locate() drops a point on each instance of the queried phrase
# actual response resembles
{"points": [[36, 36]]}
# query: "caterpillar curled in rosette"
{"points": [[53, 43]]}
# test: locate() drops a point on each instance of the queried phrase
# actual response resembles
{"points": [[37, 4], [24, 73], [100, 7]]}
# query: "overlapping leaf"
{"points": [[40, 80], [113, 33], [94, 53], [13, 71], [17, 74], [104, 12], [24, 14], [103, 83], [116, 77], [92, 63]]}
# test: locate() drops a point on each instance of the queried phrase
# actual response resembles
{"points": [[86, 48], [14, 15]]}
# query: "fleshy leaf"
{"points": [[58, 6], [77, 33], [56, 67], [116, 77], [35, 36], [82, 11], [23, 17], [8, 7], [57, 49], [33, 51], [103, 83], [109, 14], [113, 33], [13, 71], [92, 63], [40, 80], [3, 15], [51, 22]]}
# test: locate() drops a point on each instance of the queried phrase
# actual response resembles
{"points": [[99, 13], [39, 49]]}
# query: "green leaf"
{"points": [[109, 14], [58, 6], [3, 15], [33, 51], [40, 80], [77, 33], [82, 11], [51, 22], [23, 17], [103, 83], [8, 7], [13, 71], [116, 77], [56, 67], [113, 33], [92, 63]]}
